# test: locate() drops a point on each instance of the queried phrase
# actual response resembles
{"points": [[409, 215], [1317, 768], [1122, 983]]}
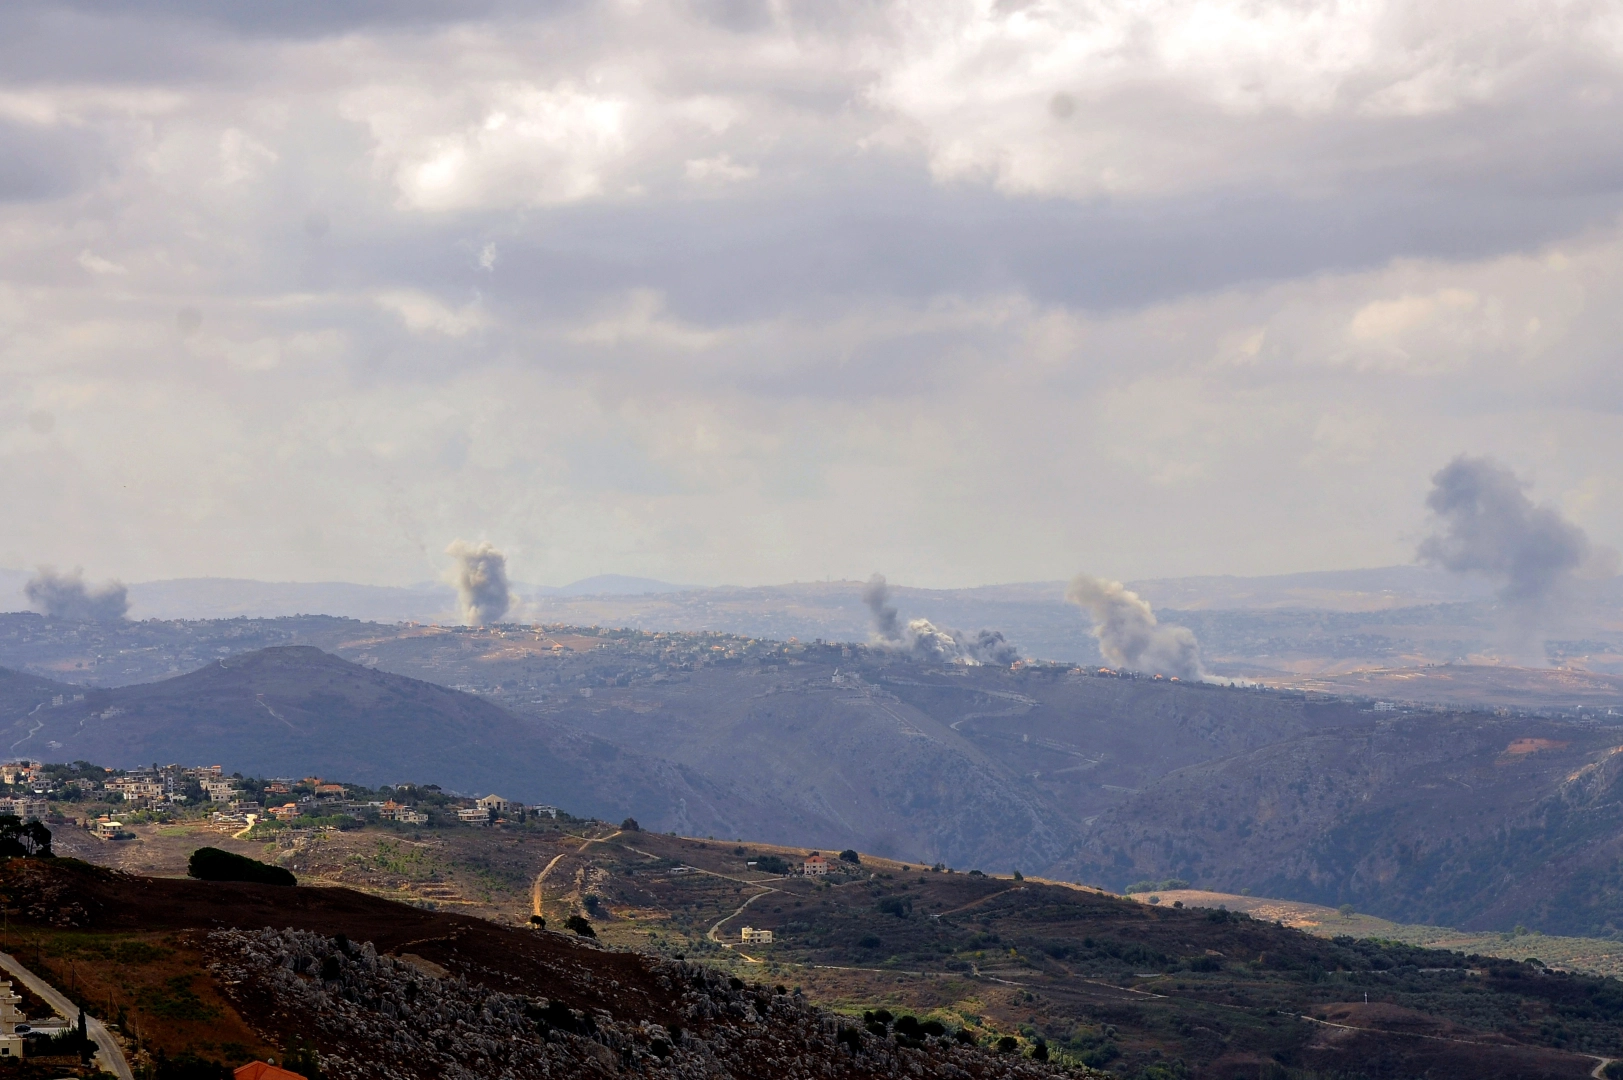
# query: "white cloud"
{"points": [[502, 144], [1084, 97], [424, 314], [719, 169], [98, 265]]}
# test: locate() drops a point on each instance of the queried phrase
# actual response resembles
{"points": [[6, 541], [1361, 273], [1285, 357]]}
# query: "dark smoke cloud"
{"points": [[1487, 525], [1129, 635], [65, 596], [923, 640], [480, 578]]}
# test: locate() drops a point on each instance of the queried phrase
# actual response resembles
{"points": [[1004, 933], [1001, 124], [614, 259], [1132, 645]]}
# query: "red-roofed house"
{"points": [[264, 1070]]}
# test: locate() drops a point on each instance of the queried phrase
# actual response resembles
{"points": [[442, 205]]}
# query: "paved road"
{"points": [[108, 1056]]}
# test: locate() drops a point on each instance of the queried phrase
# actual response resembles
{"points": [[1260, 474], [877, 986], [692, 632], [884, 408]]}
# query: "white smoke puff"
{"points": [[923, 640], [65, 596], [480, 577], [1129, 635], [1488, 526]]}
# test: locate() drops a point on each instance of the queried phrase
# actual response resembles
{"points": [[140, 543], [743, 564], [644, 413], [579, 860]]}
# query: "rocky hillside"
{"points": [[385, 1017], [378, 989]]}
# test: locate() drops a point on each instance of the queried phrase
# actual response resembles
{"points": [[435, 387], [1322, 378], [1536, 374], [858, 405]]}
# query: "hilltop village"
{"points": [[105, 801]]}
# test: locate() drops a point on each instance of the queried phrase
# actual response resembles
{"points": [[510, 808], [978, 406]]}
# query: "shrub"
{"points": [[771, 864], [1156, 886], [630, 825], [580, 926], [212, 864], [850, 855], [1008, 1044]]}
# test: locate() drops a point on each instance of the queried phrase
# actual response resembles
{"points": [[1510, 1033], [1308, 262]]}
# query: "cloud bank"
{"points": [[697, 291]]}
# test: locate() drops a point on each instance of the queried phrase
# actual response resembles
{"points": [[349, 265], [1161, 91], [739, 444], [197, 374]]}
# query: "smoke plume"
{"points": [[1129, 635], [480, 578], [923, 640], [1487, 525], [65, 596]]}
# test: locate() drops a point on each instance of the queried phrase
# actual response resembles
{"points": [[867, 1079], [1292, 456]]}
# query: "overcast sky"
{"points": [[738, 292]]}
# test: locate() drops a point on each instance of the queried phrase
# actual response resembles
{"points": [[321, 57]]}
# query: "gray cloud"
{"points": [[1129, 635], [65, 596], [923, 640], [1487, 525], [480, 577]]}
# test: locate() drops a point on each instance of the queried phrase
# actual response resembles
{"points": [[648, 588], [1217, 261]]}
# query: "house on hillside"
{"points": [[24, 806], [220, 790], [814, 866], [406, 815], [285, 812], [495, 804], [752, 936], [474, 815]]}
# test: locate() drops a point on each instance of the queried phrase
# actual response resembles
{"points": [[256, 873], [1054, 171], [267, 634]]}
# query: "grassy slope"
{"points": [[1595, 956]]}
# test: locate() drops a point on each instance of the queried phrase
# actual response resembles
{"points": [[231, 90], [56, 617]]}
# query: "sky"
{"points": [[961, 291]]}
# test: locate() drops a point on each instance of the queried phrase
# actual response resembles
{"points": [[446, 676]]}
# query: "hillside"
{"points": [[296, 711], [1151, 992], [1466, 820], [211, 971], [1421, 817], [1141, 991]]}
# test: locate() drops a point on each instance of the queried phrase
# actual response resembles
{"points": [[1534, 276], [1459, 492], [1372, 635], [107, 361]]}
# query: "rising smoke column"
{"points": [[480, 578], [923, 640], [1129, 635], [1487, 525], [65, 596], [887, 623]]}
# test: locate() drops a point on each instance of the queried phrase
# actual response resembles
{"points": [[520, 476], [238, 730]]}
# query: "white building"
{"points": [[496, 803], [752, 936], [474, 815], [815, 866], [11, 1043], [29, 809]]}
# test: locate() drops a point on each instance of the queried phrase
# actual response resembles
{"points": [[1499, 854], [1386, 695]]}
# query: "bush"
{"points": [[630, 825], [212, 864], [1156, 886], [580, 926], [850, 855], [771, 864], [1008, 1044]]}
